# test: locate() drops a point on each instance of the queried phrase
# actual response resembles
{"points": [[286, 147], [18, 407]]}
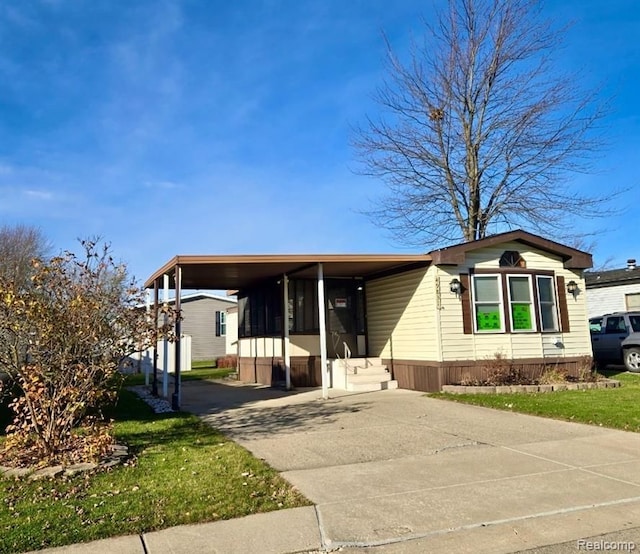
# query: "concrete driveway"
{"points": [[406, 473]]}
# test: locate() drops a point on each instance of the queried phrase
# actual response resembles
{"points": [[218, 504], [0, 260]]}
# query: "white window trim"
{"points": [[556, 315], [532, 305], [498, 277], [223, 323]]}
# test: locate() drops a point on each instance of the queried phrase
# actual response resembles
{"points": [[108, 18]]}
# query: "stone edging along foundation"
{"points": [[502, 389], [119, 453]]}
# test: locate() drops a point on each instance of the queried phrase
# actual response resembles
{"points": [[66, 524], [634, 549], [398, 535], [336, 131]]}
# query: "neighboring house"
{"points": [[231, 337], [615, 290], [432, 319], [205, 319]]}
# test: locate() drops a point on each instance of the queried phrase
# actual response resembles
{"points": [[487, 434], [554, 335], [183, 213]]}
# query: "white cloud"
{"points": [[39, 194]]}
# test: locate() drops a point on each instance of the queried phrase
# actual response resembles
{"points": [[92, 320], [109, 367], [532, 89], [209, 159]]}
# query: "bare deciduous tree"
{"points": [[481, 129], [19, 245]]}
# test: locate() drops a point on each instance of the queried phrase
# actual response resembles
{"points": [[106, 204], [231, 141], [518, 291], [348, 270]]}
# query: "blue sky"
{"points": [[214, 127]]}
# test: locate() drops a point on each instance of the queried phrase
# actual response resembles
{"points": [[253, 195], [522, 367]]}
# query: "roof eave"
{"points": [[456, 255]]}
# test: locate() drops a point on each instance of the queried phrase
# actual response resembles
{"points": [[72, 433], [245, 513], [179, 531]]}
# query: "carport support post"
{"points": [[285, 324], [147, 301], [154, 385], [323, 333], [165, 352], [175, 399]]}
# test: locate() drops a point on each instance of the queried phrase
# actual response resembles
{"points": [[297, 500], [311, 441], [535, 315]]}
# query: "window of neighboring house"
{"points": [[632, 300], [529, 299], [221, 324], [487, 303], [547, 303]]}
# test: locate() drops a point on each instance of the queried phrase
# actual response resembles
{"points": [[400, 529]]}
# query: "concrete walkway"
{"points": [[393, 471]]}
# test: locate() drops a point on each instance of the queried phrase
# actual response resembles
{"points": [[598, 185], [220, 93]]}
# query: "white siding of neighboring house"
{"points": [[231, 338], [605, 300]]}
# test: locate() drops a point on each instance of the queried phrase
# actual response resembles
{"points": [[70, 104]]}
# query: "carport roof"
{"points": [[242, 271]]}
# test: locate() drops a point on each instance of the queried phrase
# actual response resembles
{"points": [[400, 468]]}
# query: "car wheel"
{"points": [[632, 359]]}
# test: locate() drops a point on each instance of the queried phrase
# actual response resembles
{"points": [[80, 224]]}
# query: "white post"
{"points": [[146, 354], [285, 323], [165, 352], [323, 333], [177, 366]]}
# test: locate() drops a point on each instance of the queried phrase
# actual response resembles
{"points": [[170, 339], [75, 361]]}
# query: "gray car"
{"points": [[615, 339], [631, 352]]}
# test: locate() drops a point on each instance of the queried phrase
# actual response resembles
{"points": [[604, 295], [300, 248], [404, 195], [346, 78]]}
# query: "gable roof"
{"points": [[455, 255], [612, 277], [200, 295]]}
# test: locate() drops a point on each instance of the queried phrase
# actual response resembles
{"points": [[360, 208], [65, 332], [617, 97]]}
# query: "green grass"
{"points": [[616, 408], [183, 471], [203, 364], [196, 374]]}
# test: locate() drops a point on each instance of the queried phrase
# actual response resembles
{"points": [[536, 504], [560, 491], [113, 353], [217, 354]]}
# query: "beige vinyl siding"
{"points": [[458, 346], [305, 345], [269, 347], [401, 316], [578, 341], [260, 347], [455, 344], [489, 258]]}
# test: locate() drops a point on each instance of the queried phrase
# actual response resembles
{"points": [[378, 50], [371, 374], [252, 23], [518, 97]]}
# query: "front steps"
{"points": [[361, 375]]}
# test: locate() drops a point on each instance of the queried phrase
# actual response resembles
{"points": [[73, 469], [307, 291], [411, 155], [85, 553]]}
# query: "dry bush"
{"points": [[63, 338], [587, 370], [502, 371], [552, 375], [228, 361]]}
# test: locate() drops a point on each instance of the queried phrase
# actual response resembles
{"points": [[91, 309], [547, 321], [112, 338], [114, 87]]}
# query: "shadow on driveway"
{"points": [[255, 411]]}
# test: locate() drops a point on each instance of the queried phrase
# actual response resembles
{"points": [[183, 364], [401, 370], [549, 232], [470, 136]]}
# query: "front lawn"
{"points": [[616, 408], [183, 471], [206, 372]]}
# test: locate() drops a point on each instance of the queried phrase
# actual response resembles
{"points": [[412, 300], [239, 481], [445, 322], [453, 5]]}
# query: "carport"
{"points": [[238, 272]]}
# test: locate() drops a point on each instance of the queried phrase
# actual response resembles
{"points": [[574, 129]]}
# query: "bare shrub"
{"points": [[553, 375], [64, 337], [228, 361], [503, 371], [587, 370]]}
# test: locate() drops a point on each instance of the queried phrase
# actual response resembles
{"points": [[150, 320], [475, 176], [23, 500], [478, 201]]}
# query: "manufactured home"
{"points": [[416, 321]]}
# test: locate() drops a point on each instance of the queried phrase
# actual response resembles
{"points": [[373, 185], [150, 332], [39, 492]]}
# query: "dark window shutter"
{"points": [[562, 304], [217, 324], [465, 297]]}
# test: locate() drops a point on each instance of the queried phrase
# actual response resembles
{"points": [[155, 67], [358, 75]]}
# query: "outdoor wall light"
{"points": [[572, 287], [455, 286]]}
